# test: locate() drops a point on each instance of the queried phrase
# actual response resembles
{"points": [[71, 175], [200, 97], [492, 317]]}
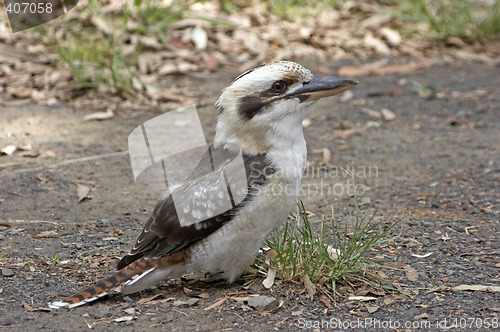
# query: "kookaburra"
{"points": [[260, 114]]}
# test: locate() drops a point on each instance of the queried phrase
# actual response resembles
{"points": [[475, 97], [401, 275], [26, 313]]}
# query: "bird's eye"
{"points": [[278, 86]]}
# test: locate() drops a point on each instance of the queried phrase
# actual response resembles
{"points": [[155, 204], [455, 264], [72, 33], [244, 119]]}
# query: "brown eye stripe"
{"points": [[249, 106]]}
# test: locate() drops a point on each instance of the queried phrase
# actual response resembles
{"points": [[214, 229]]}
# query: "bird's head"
{"points": [[263, 102]]}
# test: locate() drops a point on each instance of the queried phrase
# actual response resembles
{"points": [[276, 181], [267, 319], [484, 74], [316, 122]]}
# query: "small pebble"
{"points": [[189, 303], [128, 299], [261, 303], [7, 272]]}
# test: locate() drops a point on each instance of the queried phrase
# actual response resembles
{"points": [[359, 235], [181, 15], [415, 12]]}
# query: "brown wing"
{"points": [[164, 234]]}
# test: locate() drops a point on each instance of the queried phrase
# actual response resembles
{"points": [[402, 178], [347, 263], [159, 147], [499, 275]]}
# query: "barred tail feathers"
{"points": [[135, 270]]}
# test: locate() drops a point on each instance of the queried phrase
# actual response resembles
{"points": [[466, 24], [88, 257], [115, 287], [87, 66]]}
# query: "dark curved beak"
{"points": [[322, 86]]}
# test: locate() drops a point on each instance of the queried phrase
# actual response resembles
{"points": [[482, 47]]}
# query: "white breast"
{"points": [[232, 248]]}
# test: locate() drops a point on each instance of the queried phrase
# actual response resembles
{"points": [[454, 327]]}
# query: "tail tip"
{"points": [[73, 302], [59, 305]]}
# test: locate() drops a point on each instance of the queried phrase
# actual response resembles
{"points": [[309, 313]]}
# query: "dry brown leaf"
{"points": [[343, 134], [310, 287], [375, 21], [15, 102], [372, 309], [346, 96], [82, 191], [145, 62], [482, 288], [216, 304], [30, 308], [199, 37], [388, 300], [154, 302], [123, 319], [388, 115], [421, 316], [109, 114], [396, 266], [150, 42], [58, 76], [377, 292], [333, 253], [383, 70], [363, 291], [240, 298], [16, 53], [371, 113], [48, 154], [376, 44], [166, 96], [181, 67], [25, 147], [8, 150], [47, 234], [204, 295], [20, 91], [101, 23], [189, 292], [327, 156], [44, 98], [211, 62], [455, 41], [392, 36], [410, 273], [130, 311], [148, 299], [460, 94], [476, 57], [325, 301], [27, 306], [29, 154], [362, 298]]}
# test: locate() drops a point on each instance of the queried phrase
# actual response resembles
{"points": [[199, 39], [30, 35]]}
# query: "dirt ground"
{"points": [[435, 166]]}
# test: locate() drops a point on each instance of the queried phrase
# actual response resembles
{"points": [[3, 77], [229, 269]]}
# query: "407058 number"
{"points": [[29, 7]]}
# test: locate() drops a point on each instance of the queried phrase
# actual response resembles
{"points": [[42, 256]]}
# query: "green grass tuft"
{"points": [[490, 26], [101, 56], [440, 19], [332, 255]]}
